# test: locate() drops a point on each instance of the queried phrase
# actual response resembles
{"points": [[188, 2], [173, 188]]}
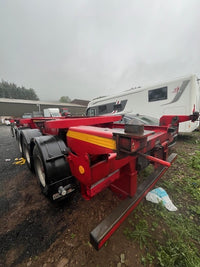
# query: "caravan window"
{"points": [[157, 94], [106, 108], [113, 106], [119, 106], [103, 109], [91, 112]]}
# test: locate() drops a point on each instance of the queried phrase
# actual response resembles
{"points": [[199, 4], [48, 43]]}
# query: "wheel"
{"points": [[52, 168], [27, 155], [18, 137], [26, 137], [40, 170], [12, 130]]}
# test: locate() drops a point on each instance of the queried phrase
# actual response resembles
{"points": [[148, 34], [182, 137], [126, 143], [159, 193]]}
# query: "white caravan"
{"points": [[177, 97]]}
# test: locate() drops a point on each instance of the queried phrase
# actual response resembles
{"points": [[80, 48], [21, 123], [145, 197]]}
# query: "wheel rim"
{"points": [[27, 155], [40, 171]]}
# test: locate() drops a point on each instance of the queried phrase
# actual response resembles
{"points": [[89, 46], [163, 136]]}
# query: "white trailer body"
{"points": [[177, 97]]}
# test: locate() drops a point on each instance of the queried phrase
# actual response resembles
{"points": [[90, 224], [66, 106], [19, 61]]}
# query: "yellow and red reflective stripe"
{"points": [[93, 139]]}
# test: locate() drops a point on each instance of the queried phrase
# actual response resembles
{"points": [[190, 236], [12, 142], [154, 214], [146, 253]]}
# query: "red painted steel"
{"points": [[127, 208], [157, 160], [70, 121], [33, 123], [175, 119], [102, 154], [99, 162]]}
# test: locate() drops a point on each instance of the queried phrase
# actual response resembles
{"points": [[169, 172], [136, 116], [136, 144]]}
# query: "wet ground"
{"points": [[37, 232]]}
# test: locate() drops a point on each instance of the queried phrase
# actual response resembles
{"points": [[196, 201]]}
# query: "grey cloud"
{"points": [[88, 48]]}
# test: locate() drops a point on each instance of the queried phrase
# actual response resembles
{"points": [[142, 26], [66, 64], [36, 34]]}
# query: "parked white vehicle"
{"points": [[51, 112], [7, 122], [177, 97]]}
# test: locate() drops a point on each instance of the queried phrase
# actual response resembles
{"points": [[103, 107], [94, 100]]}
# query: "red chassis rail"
{"points": [[51, 125], [34, 123]]}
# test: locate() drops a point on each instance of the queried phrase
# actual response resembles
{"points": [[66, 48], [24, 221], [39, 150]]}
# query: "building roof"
{"points": [[23, 101], [80, 102]]}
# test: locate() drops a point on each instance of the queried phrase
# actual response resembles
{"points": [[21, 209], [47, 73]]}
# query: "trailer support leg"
{"points": [[107, 227]]}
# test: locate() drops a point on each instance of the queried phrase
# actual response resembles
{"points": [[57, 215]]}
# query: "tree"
{"points": [[11, 90], [65, 99]]}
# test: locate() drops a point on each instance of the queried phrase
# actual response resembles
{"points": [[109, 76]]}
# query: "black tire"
{"points": [[26, 137], [27, 155], [40, 170], [19, 142], [12, 130], [52, 168], [19, 139], [15, 133]]}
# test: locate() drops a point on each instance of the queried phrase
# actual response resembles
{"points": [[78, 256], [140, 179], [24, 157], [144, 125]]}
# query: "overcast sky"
{"points": [[87, 48]]}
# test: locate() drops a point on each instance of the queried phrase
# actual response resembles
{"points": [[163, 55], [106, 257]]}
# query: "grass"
{"points": [[195, 160], [139, 234], [172, 238], [177, 253]]}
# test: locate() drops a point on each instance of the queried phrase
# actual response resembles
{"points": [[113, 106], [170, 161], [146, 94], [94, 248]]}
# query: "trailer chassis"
{"points": [[99, 153]]}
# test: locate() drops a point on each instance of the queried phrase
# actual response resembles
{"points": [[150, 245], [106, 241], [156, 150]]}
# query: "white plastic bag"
{"points": [[160, 195]]}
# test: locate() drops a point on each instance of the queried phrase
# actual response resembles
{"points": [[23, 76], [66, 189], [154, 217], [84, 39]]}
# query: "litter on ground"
{"points": [[158, 195]]}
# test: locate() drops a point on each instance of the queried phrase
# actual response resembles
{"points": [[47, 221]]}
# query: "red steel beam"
{"points": [[82, 121]]}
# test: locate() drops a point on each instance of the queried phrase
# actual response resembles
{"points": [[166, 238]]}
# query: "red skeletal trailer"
{"points": [[98, 152]]}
